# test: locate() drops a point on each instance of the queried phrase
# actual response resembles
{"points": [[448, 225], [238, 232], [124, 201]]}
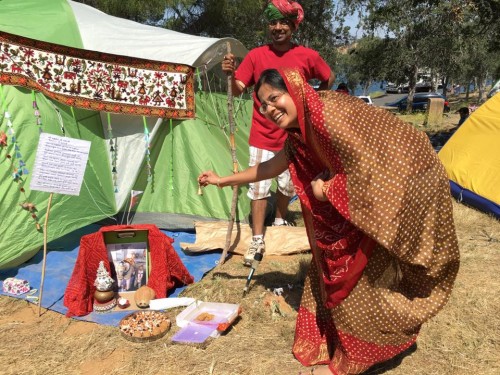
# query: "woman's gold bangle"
{"points": [[218, 183]]}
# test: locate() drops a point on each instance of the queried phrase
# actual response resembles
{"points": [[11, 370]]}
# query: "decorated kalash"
{"points": [[104, 295]]}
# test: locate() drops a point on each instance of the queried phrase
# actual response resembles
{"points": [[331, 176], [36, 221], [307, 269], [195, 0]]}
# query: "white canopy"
{"points": [[104, 33]]}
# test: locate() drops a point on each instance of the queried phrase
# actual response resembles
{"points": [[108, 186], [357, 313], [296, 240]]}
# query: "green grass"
{"points": [[377, 94]]}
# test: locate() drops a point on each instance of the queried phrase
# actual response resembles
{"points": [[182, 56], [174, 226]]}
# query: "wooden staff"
{"points": [[45, 230], [232, 143]]}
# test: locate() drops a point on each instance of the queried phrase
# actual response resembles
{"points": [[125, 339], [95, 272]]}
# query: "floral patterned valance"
{"points": [[98, 81]]}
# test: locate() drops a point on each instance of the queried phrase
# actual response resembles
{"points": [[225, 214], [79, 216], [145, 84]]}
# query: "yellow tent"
{"points": [[472, 158]]}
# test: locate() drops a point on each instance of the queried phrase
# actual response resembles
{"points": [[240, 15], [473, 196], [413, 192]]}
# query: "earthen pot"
{"points": [[104, 296]]}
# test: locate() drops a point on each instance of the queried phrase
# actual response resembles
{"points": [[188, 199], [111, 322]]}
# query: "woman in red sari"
{"points": [[377, 209]]}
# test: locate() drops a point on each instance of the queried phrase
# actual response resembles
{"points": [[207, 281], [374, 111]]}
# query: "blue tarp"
{"points": [[61, 258], [474, 200]]}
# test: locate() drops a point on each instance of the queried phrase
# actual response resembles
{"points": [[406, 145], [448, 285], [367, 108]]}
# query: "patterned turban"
{"points": [[280, 9]]}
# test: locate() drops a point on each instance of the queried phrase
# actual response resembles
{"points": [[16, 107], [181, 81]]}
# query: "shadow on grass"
{"points": [[291, 285], [392, 363]]}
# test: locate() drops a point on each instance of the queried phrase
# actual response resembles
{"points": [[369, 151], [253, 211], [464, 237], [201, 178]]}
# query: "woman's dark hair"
{"points": [[272, 78]]}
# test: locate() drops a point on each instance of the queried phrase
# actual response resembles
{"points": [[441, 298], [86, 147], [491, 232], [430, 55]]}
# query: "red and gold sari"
{"points": [[385, 252]]}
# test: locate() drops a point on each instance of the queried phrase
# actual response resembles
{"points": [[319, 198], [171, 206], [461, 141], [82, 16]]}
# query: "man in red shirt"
{"points": [[266, 139]]}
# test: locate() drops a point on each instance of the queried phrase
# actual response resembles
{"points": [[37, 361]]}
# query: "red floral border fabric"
{"points": [[98, 81]]}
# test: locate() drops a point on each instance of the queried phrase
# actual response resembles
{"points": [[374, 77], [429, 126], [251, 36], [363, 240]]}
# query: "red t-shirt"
{"points": [[263, 133]]}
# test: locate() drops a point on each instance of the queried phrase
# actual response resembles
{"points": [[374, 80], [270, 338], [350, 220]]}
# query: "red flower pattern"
{"points": [[93, 76]]}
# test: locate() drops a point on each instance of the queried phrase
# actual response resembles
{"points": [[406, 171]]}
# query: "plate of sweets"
{"points": [[144, 326]]}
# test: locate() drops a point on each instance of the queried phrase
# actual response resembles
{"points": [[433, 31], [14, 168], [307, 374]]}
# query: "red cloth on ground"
{"points": [[167, 270], [264, 133]]}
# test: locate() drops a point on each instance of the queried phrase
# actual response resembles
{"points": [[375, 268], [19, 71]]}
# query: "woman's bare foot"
{"points": [[320, 370]]}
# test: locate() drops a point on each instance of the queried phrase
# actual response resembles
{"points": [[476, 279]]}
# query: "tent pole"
{"points": [[45, 229], [235, 164]]}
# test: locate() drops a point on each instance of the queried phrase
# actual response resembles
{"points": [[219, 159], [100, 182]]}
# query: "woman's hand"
{"points": [[228, 63], [317, 185], [208, 178]]}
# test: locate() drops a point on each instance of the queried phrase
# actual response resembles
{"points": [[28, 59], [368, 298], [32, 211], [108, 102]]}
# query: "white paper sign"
{"points": [[60, 164]]}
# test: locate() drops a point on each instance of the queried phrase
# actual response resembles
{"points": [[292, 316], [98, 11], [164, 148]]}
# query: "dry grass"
{"points": [[462, 339]]}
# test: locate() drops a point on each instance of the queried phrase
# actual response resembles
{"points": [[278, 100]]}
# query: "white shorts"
{"points": [[261, 189]]}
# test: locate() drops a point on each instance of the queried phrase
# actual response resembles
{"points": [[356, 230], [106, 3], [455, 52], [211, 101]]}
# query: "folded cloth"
{"points": [[15, 286], [168, 303]]}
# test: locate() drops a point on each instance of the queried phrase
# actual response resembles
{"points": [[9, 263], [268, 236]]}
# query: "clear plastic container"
{"points": [[210, 314]]}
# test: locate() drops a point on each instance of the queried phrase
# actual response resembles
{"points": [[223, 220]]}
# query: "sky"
{"points": [[352, 22]]}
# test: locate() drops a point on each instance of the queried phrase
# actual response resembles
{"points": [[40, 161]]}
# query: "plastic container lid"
{"points": [[193, 334]]}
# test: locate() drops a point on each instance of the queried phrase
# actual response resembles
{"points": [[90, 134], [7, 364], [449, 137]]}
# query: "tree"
{"points": [[316, 31], [240, 19], [148, 12], [363, 63], [429, 34]]}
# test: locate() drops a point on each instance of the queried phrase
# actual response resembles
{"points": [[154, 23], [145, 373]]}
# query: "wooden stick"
{"points": [[232, 143], [45, 230]]}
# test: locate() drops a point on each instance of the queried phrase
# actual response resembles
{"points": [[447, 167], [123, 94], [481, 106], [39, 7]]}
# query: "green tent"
{"points": [[160, 156]]}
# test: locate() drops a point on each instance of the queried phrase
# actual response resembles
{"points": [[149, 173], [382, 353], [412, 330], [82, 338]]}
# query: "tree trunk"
{"points": [[366, 86], [411, 89], [445, 83], [434, 82], [480, 87]]}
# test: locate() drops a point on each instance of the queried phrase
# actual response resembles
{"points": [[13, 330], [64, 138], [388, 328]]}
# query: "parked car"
{"points": [[423, 86], [393, 88], [366, 99], [420, 101]]}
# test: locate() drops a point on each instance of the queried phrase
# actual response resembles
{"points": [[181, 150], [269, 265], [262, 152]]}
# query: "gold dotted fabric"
{"points": [[387, 182]]}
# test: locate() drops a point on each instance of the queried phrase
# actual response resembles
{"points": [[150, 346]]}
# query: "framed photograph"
{"points": [[128, 255]]}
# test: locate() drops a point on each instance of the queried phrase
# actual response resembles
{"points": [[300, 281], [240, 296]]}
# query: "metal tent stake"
{"points": [[256, 261]]}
